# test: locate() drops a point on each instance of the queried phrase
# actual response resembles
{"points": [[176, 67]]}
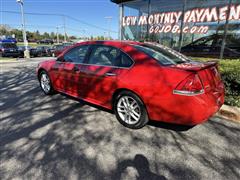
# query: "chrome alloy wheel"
{"points": [[128, 110], [45, 83]]}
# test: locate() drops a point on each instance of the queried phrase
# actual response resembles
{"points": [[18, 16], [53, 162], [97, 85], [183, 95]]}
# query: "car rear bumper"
{"points": [[186, 110]]}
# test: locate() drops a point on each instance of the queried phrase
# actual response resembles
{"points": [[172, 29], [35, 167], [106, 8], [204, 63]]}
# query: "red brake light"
{"points": [[190, 86]]}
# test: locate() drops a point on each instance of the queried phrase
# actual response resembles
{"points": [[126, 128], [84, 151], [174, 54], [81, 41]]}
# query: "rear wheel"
{"points": [[45, 83], [130, 110]]}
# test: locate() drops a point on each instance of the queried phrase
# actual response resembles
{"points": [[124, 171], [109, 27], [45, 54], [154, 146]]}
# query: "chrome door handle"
{"points": [[110, 74]]}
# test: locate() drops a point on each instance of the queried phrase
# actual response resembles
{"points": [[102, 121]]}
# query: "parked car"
{"points": [[8, 50], [45, 41], [21, 50], [58, 49], [210, 46], [50, 50], [138, 81], [67, 43], [41, 51]]}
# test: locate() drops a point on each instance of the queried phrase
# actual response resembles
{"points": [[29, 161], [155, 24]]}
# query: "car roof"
{"points": [[115, 43]]}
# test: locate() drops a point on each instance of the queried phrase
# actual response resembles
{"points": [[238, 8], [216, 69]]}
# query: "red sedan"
{"points": [[139, 81]]}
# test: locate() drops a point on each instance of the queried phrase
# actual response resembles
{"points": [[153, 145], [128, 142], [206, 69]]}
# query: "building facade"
{"points": [[208, 28]]}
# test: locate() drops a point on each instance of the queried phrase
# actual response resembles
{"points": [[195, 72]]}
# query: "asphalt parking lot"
{"points": [[55, 137]]}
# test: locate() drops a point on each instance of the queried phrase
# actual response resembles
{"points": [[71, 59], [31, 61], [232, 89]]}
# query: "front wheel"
{"points": [[45, 83], [130, 110]]}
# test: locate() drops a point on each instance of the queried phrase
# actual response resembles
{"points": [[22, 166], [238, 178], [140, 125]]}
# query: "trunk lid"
{"points": [[208, 72]]}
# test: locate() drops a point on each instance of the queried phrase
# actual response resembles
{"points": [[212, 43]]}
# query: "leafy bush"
{"points": [[230, 73]]}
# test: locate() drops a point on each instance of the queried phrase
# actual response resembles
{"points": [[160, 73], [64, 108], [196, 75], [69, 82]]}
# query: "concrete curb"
{"points": [[230, 113]]}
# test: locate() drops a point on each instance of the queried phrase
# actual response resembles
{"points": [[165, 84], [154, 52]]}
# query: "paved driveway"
{"points": [[54, 137]]}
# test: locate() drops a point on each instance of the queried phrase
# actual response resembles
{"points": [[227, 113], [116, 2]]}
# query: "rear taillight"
{"points": [[2, 49], [190, 86]]}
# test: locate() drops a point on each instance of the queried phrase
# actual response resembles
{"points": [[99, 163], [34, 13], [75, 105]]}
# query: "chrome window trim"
{"points": [[133, 62], [98, 65]]}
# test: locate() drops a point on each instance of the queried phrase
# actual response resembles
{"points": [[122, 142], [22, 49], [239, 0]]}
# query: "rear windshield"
{"points": [[162, 54], [9, 45]]}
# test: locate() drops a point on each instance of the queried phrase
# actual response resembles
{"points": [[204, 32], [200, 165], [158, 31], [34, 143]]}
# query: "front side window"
{"points": [[162, 54], [109, 56], [208, 43], [103, 55], [77, 54]]}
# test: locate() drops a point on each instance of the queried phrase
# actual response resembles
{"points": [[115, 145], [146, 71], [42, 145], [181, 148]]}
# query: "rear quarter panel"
{"points": [[153, 83]]}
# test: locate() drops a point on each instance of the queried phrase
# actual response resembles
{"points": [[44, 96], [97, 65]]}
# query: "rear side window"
{"points": [[162, 54], [109, 56], [123, 60], [233, 41], [77, 54], [201, 41]]}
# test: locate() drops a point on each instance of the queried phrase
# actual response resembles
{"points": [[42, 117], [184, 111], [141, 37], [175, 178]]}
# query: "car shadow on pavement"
{"points": [[170, 126], [157, 124], [100, 108]]}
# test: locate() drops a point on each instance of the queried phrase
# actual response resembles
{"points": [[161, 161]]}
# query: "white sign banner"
{"points": [[170, 21]]}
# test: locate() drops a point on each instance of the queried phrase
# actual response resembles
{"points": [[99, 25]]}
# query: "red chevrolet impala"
{"points": [[139, 81]]}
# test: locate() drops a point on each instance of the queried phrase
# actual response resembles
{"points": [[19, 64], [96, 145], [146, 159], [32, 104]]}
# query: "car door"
{"points": [[99, 74], [67, 70]]}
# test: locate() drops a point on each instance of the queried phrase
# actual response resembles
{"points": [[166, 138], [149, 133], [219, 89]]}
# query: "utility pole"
{"points": [[121, 12], [84, 33], [26, 51], [57, 34], [64, 27], [109, 18], [225, 31], [104, 34]]}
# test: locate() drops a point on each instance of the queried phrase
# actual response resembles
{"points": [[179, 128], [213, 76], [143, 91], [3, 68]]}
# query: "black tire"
{"points": [[51, 90], [143, 120]]}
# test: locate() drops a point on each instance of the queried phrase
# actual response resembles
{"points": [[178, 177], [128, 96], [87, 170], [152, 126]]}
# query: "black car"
{"points": [[210, 46], [41, 51], [8, 50], [50, 50], [21, 50], [45, 41]]}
